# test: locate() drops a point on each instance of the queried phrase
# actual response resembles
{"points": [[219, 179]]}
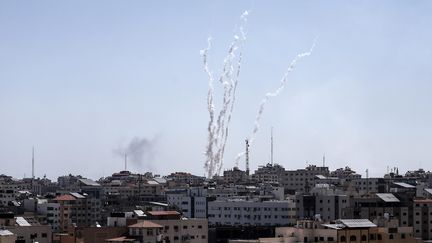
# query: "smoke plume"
{"points": [[140, 152]]}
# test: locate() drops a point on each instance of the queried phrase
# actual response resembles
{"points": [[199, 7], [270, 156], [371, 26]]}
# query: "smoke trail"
{"points": [[275, 93], [218, 129], [140, 151], [210, 107]]}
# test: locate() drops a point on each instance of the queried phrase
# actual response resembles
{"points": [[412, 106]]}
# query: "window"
{"points": [[390, 236], [364, 238], [353, 238], [379, 236], [343, 238], [402, 236], [330, 239]]}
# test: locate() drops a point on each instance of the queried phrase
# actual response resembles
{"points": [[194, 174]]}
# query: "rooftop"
{"points": [[89, 182], [66, 197], [403, 184], [162, 213], [121, 239], [357, 223], [145, 224], [5, 233], [387, 197]]}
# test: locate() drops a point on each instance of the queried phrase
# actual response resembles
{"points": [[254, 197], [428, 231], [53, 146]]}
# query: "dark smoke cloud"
{"points": [[140, 152]]}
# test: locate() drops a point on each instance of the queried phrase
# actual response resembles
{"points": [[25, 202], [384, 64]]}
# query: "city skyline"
{"points": [[81, 81]]}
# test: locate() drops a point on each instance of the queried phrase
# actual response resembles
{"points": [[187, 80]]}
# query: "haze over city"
{"points": [[83, 82]]}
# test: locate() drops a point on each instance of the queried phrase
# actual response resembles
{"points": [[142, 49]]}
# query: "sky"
{"points": [[80, 80]]}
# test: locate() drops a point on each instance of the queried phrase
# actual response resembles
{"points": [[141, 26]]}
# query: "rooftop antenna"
{"points": [[367, 182], [33, 176], [271, 147], [125, 162], [247, 156]]}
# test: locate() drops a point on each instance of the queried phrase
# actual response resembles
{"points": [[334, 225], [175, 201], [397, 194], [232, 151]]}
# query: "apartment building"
{"points": [[365, 186], [28, 230], [235, 176], [191, 202], [178, 228], [236, 212], [346, 230], [78, 209], [270, 173], [422, 218], [7, 237], [51, 212], [302, 180]]}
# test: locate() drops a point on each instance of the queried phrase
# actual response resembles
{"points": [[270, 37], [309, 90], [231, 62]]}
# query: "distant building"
{"points": [[235, 176], [7, 237], [191, 202], [302, 180], [238, 212], [26, 229], [270, 173]]}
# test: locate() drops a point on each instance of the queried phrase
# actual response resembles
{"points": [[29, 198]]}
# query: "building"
{"points": [[191, 202], [270, 173], [28, 230], [7, 237], [236, 212], [343, 231], [235, 176], [422, 222], [78, 209], [168, 226], [302, 180], [178, 228]]}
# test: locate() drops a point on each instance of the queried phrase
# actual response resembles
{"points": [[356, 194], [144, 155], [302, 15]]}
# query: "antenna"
{"points": [[271, 147], [367, 181], [323, 160], [247, 156], [33, 176], [125, 162]]}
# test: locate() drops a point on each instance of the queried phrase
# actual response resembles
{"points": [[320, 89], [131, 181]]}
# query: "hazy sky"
{"points": [[79, 79]]}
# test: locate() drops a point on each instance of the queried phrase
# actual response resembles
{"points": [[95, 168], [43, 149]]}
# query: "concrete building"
{"points": [[78, 209], [145, 232], [51, 211], [191, 202], [270, 173], [28, 230], [7, 237], [180, 229], [343, 231], [365, 186], [236, 212], [423, 219], [301, 180], [235, 176], [347, 230]]}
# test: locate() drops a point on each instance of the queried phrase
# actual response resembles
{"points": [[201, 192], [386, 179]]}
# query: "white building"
{"points": [[191, 202], [254, 213], [52, 213]]}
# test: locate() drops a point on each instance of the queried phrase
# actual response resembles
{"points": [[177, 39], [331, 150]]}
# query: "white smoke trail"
{"points": [[210, 107], [275, 93], [218, 129]]}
